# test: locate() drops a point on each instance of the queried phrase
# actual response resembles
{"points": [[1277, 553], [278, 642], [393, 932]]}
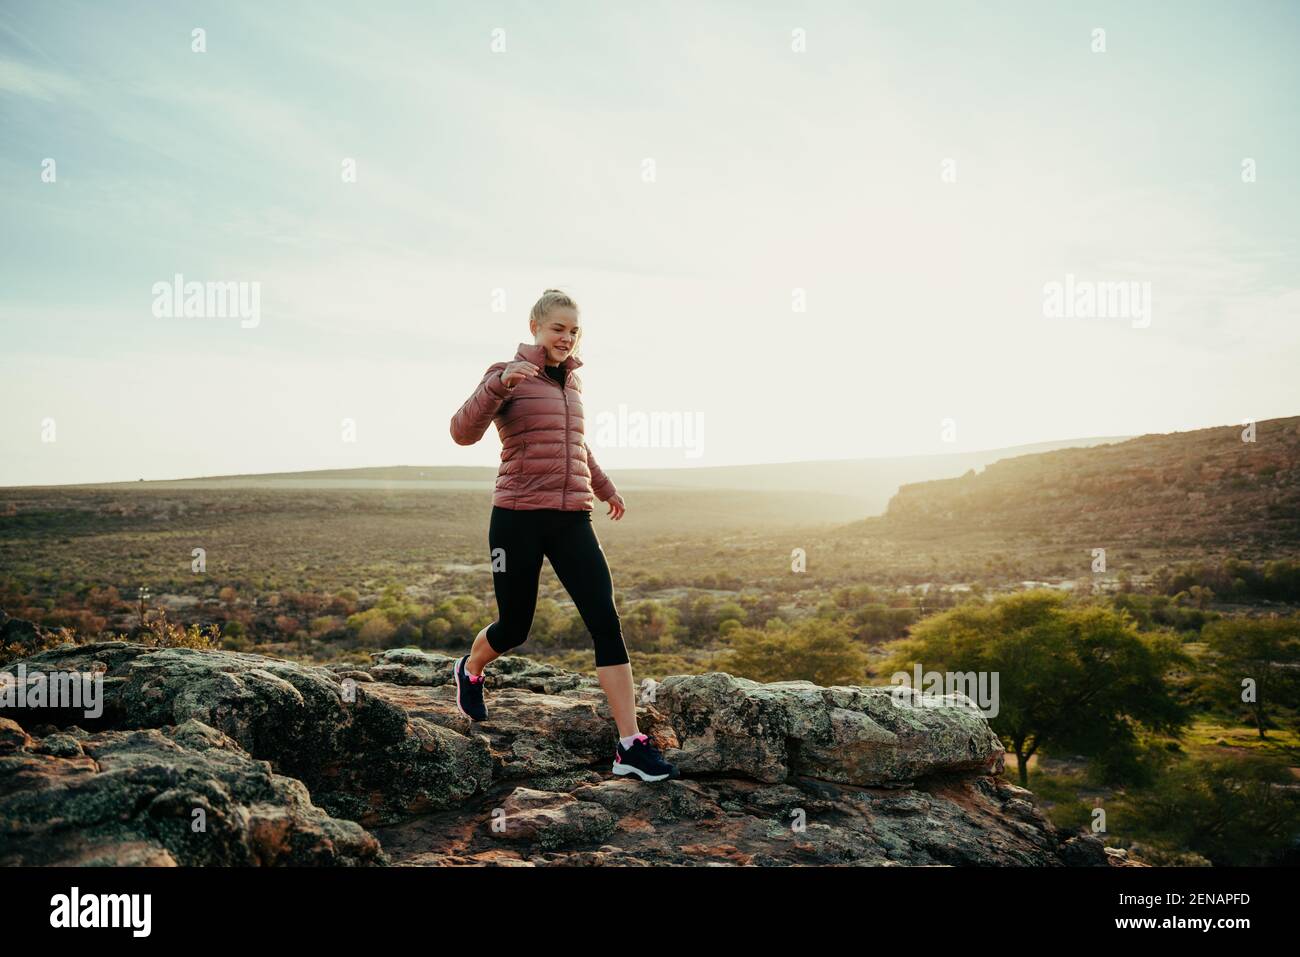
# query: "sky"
{"points": [[810, 230]]}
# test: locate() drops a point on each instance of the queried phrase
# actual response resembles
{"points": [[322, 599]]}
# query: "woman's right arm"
{"points": [[472, 419]]}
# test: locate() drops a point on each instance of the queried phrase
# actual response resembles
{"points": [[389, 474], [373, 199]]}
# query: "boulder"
{"points": [[183, 795], [362, 757], [869, 736]]}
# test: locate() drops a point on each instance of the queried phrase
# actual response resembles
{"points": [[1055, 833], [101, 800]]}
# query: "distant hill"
{"points": [[1205, 489], [846, 487]]}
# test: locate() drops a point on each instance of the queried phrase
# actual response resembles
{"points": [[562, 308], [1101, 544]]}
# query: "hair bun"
{"points": [[545, 291]]}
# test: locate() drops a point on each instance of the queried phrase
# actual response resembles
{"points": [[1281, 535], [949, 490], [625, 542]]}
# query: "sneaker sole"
{"points": [[455, 676], [628, 769]]}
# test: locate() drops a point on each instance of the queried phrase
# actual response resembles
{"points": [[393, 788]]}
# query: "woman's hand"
{"points": [[516, 372], [616, 506]]}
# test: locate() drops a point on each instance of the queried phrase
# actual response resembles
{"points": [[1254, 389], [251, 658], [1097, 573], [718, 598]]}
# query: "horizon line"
{"points": [[354, 468]]}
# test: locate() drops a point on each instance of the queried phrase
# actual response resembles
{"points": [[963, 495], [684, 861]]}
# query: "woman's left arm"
{"points": [[601, 483]]}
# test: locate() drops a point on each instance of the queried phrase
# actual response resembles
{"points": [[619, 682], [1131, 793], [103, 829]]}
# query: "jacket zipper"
{"points": [[564, 492], [567, 456]]}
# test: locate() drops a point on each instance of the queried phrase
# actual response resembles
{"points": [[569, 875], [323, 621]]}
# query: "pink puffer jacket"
{"points": [[545, 459]]}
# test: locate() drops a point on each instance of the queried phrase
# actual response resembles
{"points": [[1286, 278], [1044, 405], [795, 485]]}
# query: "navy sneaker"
{"points": [[644, 760], [469, 692]]}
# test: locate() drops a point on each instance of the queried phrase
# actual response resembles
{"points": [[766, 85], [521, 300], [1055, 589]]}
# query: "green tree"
{"points": [[1077, 678], [1233, 811], [1264, 650]]}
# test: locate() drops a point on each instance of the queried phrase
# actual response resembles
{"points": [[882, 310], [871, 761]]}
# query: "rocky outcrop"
{"points": [[361, 757], [289, 762], [184, 795], [543, 721], [728, 820], [850, 735]]}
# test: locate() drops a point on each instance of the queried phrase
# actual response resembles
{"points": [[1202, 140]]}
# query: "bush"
{"points": [[237, 643], [1234, 812], [817, 650], [161, 633], [436, 632], [375, 631], [327, 626], [34, 643], [286, 625], [651, 626]]}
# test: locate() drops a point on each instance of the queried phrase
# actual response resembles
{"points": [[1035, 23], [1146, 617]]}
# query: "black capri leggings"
{"points": [[569, 540]]}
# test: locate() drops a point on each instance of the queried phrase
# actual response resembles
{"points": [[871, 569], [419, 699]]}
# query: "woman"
{"points": [[542, 506]]}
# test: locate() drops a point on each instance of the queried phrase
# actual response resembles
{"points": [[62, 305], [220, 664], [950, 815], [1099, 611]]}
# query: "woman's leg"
{"points": [[580, 564], [481, 653], [515, 549], [617, 682]]}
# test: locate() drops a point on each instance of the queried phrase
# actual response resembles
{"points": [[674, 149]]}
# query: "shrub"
{"points": [[816, 650], [162, 633], [376, 631]]}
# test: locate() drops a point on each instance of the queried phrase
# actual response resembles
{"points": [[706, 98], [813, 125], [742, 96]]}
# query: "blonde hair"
{"points": [[551, 299]]}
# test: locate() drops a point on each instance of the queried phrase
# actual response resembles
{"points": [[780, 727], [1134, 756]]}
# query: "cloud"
{"points": [[22, 79]]}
